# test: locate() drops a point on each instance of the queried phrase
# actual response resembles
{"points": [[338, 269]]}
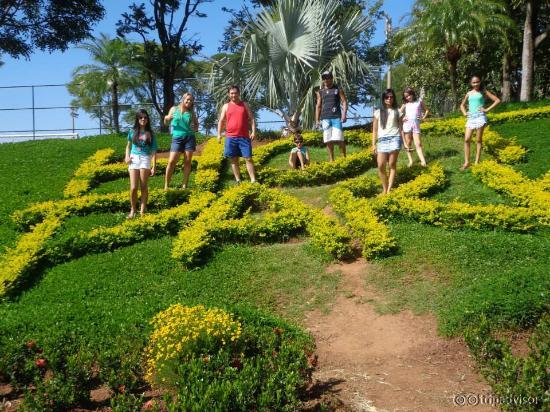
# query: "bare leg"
{"points": [[419, 151], [172, 161], [342, 146], [188, 156], [144, 178], [393, 168], [479, 143], [134, 182], [330, 149], [301, 159], [407, 140], [292, 160], [250, 169], [467, 140], [235, 168], [382, 159]]}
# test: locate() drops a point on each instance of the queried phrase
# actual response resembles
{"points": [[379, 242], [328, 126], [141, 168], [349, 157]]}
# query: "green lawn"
{"points": [[105, 301]]}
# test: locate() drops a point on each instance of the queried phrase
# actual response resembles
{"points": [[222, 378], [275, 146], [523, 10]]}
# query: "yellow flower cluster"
{"points": [[374, 236], [507, 180], [210, 163], [16, 262], [83, 176], [521, 115], [182, 333], [229, 219]]}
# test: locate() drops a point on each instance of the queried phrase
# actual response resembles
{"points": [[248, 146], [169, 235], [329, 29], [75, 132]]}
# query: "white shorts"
{"points": [[138, 162], [332, 130]]}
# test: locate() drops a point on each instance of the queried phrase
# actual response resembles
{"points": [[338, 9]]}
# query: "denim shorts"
{"points": [[183, 144], [138, 162], [238, 147]]}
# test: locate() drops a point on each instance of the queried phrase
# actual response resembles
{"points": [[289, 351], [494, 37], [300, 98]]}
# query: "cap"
{"points": [[326, 75]]}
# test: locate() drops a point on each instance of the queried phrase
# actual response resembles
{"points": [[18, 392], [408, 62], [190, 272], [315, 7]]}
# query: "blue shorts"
{"points": [[238, 147], [183, 144]]}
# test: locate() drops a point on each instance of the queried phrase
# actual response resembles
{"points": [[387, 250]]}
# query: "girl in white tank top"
{"points": [[414, 111]]}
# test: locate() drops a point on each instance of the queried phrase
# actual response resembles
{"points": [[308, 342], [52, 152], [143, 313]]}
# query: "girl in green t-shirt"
{"points": [[141, 158], [184, 124]]}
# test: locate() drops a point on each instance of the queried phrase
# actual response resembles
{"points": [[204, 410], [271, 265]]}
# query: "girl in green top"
{"points": [[184, 124], [477, 120], [141, 158]]}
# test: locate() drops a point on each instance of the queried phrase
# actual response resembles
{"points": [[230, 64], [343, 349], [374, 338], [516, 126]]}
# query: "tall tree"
{"points": [[110, 76], [162, 61], [45, 24], [456, 26], [532, 39], [286, 47]]}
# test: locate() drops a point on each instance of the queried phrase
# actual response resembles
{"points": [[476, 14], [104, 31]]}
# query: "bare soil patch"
{"points": [[390, 362]]}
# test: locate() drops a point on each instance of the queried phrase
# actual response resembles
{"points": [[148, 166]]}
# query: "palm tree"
{"points": [[111, 74], [456, 25], [286, 47]]}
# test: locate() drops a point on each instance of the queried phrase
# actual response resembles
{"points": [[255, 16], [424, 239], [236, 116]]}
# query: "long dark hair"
{"points": [[410, 91], [148, 132], [384, 109]]}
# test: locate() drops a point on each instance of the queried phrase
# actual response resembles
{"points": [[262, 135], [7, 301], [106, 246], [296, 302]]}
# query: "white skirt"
{"points": [[139, 162], [476, 120]]}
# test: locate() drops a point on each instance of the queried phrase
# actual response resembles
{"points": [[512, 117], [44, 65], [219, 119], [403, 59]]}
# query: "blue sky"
{"points": [[56, 68]]}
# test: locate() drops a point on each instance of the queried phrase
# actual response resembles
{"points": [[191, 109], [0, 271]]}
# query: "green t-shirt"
{"points": [[181, 124], [142, 148]]}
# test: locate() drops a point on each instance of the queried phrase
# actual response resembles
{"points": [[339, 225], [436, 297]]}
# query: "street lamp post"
{"points": [[388, 32]]}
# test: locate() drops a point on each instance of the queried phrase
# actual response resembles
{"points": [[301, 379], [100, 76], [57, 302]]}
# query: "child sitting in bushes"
{"points": [[299, 155], [141, 158]]}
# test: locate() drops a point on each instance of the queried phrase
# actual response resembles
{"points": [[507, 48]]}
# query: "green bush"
{"points": [[523, 384]]}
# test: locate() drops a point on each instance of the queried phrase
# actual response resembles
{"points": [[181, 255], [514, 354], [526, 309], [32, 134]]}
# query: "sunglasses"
{"points": [[389, 97], [143, 118], [326, 77]]}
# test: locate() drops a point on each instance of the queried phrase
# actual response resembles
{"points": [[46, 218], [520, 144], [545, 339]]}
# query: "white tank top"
{"points": [[392, 123]]}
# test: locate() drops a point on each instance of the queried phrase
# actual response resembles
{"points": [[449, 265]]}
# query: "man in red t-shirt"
{"points": [[237, 115]]}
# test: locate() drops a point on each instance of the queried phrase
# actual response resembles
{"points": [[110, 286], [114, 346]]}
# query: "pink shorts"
{"points": [[411, 126]]}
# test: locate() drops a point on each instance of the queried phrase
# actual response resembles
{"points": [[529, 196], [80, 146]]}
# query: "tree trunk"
{"points": [[452, 77], [114, 93], [506, 83], [527, 55], [168, 97]]}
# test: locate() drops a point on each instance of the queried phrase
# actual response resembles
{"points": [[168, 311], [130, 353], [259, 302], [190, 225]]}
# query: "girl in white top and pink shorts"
{"points": [[414, 111]]}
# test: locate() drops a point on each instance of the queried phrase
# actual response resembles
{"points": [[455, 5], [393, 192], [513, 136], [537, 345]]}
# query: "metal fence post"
{"points": [[100, 114], [33, 119]]}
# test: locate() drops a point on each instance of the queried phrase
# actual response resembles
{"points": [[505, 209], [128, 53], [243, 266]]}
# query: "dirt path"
{"points": [[394, 362]]}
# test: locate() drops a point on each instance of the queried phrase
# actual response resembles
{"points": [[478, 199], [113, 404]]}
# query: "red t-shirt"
{"points": [[236, 120]]}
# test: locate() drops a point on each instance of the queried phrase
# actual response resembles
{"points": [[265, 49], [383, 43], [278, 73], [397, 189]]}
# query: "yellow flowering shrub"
{"points": [[17, 262], [511, 154], [182, 333], [544, 182], [210, 163], [319, 173], [94, 203], [83, 176], [373, 235], [228, 219], [512, 183]]}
